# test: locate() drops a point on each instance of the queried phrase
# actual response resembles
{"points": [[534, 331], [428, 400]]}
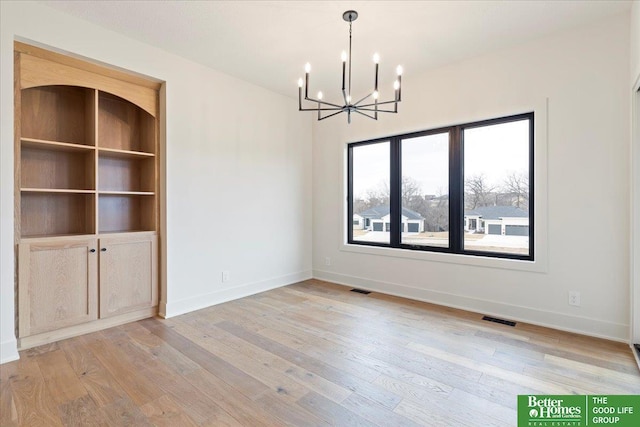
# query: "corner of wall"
{"points": [[9, 351]]}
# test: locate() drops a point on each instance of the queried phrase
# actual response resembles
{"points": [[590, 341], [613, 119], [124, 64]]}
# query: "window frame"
{"points": [[456, 189]]}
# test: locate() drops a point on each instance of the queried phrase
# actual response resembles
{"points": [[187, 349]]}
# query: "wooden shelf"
{"points": [[125, 212], [57, 166], [57, 213], [111, 152], [124, 127], [87, 163], [127, 193], [55, 145], [126, 174], [56, 190], [58, 113]]}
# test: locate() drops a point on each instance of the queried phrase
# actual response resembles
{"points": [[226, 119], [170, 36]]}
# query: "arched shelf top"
{"points": [[38, 72]]}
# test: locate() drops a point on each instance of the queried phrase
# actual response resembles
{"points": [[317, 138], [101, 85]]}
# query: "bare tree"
{"points": [[411, 193], [516, 185], [477, 191]]}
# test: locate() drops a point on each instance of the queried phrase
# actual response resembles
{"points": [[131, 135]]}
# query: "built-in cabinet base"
{"points": [[85, 328]]}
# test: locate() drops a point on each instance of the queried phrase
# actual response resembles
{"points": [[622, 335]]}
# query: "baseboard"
{"points": [[198, 302], [9, 351], [561, 321]]}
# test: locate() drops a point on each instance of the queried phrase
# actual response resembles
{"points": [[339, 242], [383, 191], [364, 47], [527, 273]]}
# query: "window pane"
{"points": [[371, 220], [425, 190], [496, 188]]}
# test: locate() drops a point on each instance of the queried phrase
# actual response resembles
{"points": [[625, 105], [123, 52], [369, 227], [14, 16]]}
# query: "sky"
{"points": [[495, 151]]}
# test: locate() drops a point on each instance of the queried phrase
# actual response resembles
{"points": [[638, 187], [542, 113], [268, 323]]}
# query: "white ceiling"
{"points": [[268, 42]]}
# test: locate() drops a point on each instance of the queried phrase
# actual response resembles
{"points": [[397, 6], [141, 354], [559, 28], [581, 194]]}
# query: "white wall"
{"points": [[635, 40], [578, 79], [635, 194], [237, 166]]}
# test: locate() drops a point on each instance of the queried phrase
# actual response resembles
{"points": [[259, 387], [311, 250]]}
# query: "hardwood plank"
{"points": [[124, 413], [332, 412], [316, 366], [61, 380], [96, 379], [552, 387], [33, 404], [82, 412], [237, 405], [165, 412], [431, 413], [119, 365], [191, 400], [375, 413], [289, 414], [260, 365], [470, 384], [229, 373], [406, 389], [8, 412]]}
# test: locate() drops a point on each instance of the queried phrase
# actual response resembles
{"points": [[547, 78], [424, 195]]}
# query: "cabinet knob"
{"points": [[92, 250], [103, 250]]}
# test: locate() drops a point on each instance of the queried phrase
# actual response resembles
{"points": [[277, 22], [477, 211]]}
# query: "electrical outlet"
{"points": [[574, 298], [327, 261], [225, 276]]}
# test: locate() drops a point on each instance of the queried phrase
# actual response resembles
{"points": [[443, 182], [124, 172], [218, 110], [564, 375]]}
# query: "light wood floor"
{"points": [[306, 355]]}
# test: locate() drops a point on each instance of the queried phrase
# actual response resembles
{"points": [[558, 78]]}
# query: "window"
{"points": [[464, 189], [369, 179]]}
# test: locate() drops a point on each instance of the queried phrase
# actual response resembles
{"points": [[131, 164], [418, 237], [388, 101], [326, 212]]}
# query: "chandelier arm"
{"points": [[365, 97], [364, 114], [318, 101], [379, 103], [330, 115], [344, 96], [321, 109], [373, 109]]}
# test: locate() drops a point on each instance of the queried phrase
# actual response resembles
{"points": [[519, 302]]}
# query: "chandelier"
{"points": [[368, 106]]}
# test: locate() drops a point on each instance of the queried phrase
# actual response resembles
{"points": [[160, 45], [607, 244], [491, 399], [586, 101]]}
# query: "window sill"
{"points": [[537, 266]]}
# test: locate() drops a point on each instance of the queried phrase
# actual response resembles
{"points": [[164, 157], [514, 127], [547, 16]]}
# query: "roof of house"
{"points": [[378, 212], [497, 212]]}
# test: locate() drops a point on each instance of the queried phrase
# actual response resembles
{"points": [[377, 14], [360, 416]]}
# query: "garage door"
{"points": [[377, 226], [495, 229], [516, 230], [413, 227]]}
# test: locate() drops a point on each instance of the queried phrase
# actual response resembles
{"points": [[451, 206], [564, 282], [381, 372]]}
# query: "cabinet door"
{"points": [[57, 284], [128, 274]]}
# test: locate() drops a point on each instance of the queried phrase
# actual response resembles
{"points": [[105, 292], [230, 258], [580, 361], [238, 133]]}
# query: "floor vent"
{"points": [[501, 321], [360, 291]]}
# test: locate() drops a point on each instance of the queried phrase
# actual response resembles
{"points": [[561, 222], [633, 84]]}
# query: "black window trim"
{"points": [[456, 189]]}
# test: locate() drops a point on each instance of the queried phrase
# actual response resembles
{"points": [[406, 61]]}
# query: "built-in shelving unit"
{"points": [[86, 191]]}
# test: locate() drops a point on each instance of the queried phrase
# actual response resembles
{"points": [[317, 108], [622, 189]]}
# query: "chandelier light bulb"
{"points": [[319, 95], [348, 98], [396, 85], [307, 67], [343, 56], [300, 82], [399, 70], [376, 58], [375, 94]]}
